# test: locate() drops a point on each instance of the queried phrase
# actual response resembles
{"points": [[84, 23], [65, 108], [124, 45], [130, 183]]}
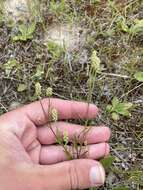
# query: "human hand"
{"points": [[29, 158]]}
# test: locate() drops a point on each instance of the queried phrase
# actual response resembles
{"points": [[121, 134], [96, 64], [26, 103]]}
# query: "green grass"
{"points": [[28, 63]]}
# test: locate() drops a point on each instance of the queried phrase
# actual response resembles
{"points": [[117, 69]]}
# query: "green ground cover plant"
{"points": [[107, 69]]}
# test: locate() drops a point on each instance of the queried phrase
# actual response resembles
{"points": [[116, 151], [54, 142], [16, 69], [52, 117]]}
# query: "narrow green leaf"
{"points": [[109, 108], [137, 27], [25, 32], [23, 29], [10, 65], [115, 101], [94, 188], [16, 38], [121, 188], [107, 161], [128, 105], [31, 29], [139, 76], [122, 24], [122, 108], [39, 72]]}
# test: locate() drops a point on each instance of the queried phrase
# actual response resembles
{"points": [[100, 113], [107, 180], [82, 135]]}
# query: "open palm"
{"points": [[30, 144]]}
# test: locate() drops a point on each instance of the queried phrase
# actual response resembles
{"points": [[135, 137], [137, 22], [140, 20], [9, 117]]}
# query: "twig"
{"points": [[131, 90], [52, 130], [116, 75], [4, 107], [60, 96], [9, 78], [119, 156], [69, 62]]}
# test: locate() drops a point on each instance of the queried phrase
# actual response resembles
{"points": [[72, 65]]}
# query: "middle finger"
{"points": [[92, 135]]}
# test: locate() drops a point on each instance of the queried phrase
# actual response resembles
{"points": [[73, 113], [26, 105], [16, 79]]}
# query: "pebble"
{"points": [[16, 9], [66, 36], [14, 105]]}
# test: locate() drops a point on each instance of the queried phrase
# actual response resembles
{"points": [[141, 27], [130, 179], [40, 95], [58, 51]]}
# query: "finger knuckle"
{"points": [[73, 176]]}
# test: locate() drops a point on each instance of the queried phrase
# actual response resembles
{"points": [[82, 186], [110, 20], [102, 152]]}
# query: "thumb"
{"points": [[76, 174]]}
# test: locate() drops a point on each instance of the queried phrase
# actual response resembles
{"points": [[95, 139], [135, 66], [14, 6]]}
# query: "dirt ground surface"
{"points": [[51, 43]]}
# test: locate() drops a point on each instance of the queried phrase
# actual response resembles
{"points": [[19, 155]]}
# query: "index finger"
{"points": [[38, 111]]}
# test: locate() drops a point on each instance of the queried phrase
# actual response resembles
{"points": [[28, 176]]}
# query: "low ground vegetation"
{"points": [[105, 67]]}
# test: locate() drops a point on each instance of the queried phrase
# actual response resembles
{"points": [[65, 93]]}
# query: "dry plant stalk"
{"points": [[78, 147]]}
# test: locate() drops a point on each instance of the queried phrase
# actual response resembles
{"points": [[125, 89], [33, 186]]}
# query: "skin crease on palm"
{"points": [[30, 159]]}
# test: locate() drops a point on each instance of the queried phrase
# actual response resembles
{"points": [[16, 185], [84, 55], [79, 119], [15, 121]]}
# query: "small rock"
{"points": [[67, 36], [83, 57], [16, 9], [111, 178], [14, 105]]}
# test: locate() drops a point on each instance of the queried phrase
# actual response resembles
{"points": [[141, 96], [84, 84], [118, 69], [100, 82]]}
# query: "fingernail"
{"points": [[97, 175]]}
